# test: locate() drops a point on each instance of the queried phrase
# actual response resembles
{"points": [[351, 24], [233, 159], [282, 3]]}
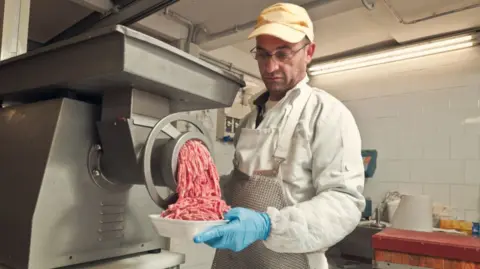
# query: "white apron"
{"points": [[256, 184]]}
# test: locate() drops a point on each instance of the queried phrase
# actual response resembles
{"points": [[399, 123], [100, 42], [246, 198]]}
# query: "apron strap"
{"points": [[286, 135]]}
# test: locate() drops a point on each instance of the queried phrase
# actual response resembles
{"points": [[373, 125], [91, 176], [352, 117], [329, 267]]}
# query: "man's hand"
{"points": [[245, 226]]}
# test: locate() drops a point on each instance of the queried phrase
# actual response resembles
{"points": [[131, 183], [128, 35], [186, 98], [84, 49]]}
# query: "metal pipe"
{"points": [[192, 29], [226, 65], [182, 20], [230, 31], [245, 26], [435, 15]]}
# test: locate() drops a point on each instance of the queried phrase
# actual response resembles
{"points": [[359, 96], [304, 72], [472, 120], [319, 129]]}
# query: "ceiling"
{"points": [[356, 28], [342, 26], [218, 15]]}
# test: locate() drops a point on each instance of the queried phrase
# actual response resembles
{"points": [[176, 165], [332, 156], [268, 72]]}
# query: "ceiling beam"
{"points": [[95, 5], [157, 24]]}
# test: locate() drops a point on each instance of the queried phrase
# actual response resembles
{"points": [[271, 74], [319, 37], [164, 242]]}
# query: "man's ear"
{"points": [[310, 52]]}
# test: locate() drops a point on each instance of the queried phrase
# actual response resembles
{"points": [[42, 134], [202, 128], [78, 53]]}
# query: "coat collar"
{"points": [[263, 98]]}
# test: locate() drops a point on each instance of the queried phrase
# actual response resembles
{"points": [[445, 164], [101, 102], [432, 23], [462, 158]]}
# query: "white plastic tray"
{"points": [[182, 229]]}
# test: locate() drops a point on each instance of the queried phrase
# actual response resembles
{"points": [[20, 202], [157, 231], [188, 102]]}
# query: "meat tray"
{"points": [[181, 229]]}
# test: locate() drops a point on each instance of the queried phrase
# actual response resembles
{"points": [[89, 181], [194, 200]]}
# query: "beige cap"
{"points": [[288, 22]]}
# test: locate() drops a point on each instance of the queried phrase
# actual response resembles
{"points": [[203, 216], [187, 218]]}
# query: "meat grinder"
{"points": [[89, 142]]}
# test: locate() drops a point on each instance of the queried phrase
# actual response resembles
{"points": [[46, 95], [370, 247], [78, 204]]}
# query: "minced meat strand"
{"points": [[198, 187]]}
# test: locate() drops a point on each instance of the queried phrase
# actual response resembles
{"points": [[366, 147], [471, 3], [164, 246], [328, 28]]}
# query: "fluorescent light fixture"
{"points": [[398, 54]]}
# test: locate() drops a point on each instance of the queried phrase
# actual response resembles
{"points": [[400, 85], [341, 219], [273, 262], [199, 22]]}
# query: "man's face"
{"points": [[288, 65]]}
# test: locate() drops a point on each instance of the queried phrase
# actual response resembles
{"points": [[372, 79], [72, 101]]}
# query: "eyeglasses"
{"points": [[279, 55]]}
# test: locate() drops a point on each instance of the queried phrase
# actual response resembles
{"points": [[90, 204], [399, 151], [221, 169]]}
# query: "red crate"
{"points": [[429, 250]]}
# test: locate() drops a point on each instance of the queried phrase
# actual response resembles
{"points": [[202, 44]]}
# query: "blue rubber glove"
{"points": [[245, 226]]}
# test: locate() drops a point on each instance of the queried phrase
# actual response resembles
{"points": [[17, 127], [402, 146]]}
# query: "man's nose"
{"points": [[271, 65]]}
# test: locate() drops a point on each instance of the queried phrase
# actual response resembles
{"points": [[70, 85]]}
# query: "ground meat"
{"points": [[199, 195]]}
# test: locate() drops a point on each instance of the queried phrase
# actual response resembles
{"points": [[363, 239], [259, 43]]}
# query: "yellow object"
{"points": [[459, 225], [286, 21]]}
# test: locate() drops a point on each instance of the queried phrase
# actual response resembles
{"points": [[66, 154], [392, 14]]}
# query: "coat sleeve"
{"points": [[338, 179]]}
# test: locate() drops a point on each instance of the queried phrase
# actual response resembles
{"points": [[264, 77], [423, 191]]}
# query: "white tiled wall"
{"points": [[424, 145], [420, 116]]}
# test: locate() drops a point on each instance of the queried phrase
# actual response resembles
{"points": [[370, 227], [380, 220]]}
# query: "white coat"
{"points": [[322, 179]]}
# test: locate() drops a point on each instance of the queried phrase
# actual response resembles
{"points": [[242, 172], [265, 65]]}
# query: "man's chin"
{"points": [[275, 87]]}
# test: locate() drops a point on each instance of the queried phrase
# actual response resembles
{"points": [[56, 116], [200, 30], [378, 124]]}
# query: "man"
{"points": [[296, 189]]}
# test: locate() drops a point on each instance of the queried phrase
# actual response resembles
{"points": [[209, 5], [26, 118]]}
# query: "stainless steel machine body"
{"points": [[88, 144]]}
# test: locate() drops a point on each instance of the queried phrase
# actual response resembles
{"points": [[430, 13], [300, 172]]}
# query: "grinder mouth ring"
{"points": [[165, 126], [170, 154]]}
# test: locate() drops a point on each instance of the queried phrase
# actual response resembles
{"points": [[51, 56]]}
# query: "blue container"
{"points": [[476, 229]]}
